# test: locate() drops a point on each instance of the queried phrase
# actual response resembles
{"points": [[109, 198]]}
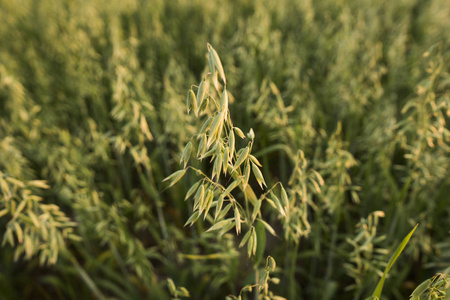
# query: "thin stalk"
{"points": [[151, 190], [85, 277], [331, 252], [283, 167], [124, 175], [256, 294], [291, 262]]}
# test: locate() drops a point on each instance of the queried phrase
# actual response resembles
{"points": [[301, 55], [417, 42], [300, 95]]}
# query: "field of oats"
{"points": [[241, 149]]}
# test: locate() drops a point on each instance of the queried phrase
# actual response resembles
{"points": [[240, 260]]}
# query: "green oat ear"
{"points": [[377, 293], [215, 63]]}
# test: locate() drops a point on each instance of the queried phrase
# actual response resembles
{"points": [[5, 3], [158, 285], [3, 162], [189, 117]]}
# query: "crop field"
{"points": [[243, 149]]}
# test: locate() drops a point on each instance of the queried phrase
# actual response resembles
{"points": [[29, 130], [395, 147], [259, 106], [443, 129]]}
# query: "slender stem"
{"points": [[291, 271], [256, 295], [85, 276], [331, 252]]}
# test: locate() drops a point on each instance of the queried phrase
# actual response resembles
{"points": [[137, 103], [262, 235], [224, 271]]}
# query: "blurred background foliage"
{"points": [[93, 118]]}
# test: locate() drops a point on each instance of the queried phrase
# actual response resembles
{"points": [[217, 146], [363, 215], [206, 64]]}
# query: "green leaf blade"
{"points": [[379, 288]]}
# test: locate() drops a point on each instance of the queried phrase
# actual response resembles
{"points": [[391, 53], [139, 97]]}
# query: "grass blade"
{"points": [[377, 293]]}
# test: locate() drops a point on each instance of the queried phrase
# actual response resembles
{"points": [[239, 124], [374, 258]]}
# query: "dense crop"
{"points": [[211, 149]]}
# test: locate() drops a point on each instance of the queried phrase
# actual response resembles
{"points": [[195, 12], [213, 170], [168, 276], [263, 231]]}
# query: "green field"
{"points": [[225, 149]]}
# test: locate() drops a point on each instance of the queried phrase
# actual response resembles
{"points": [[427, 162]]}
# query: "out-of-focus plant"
{"points": [[437, 287], [349, 117]]}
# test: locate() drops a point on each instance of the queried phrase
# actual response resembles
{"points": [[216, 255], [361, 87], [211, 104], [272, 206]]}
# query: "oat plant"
{"points": [[224, 198]]}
